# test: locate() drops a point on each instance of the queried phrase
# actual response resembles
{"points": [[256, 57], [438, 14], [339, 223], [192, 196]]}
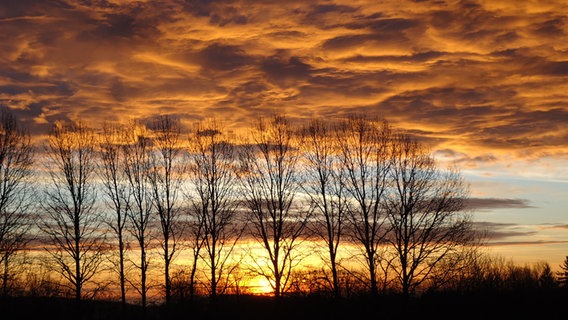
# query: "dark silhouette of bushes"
{"points": [[495, 304]]}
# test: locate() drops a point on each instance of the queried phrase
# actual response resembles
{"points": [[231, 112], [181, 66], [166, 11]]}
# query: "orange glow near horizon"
{"points": [[260, 286]]}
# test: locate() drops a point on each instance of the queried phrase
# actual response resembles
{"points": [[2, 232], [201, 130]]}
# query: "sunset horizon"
{"points": [[480, 84]]}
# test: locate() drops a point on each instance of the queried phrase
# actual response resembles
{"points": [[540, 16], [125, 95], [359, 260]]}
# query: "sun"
{"points": [[260, 286]]}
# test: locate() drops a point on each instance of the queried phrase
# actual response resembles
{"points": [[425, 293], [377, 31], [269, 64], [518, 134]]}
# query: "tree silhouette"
{"points": [[136, 151], [116, 189], [563, 273], [16, 220], [365, 186], [546, 279], [212, 169], [325, 187], [425, 210], [365, 162], [269, 176], [72, 225], [166, 176]]}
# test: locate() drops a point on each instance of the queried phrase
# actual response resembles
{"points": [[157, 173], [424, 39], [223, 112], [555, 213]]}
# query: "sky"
{"points": [[484, 83]]}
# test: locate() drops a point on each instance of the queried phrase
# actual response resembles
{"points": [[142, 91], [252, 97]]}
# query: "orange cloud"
{"points": [[478, 78]]}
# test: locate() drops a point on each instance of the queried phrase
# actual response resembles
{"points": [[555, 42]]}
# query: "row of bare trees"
{"points": [[353, 182]]}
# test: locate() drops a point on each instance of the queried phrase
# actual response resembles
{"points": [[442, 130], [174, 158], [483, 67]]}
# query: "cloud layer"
{"points": [[481, 78]]}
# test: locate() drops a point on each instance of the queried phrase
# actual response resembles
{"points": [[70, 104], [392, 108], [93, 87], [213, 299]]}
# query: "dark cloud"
{"points": [[248, 95], [61, 89], [346, 84], [324, 9], [116, 27], [291, 34], [468, 21], [285, 72], [131, 23], [528, 129], [418, 57], [348, 41], [220, 57], [327, 16], [25, 8], [495, 203], [499, 232], [203, 7], [228, 15], [556, 68], [393, 25], [553, 27], [449, 105], [118, 90], [463, 159]]}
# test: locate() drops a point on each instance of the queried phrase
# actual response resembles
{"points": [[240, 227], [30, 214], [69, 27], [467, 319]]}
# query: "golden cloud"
{"points": [[476, 77]]}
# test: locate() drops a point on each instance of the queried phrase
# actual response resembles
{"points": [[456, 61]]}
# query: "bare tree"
{"points": [[365, 162], [73, 227], [270, 179], [136, 165], [459, 270], [166, 177], [196, 238], [425, 208], [16, 160], [213, 163], [325, 187], [116, 189]]}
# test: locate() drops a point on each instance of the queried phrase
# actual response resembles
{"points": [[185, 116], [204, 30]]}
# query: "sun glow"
{"points": [[260, 286]]}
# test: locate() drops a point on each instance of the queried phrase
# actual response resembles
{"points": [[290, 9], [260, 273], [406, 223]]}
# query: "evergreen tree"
{"points": [[546, 279], [563, 274]]}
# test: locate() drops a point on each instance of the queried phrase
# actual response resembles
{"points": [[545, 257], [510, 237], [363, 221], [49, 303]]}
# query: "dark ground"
{"points": [[513, 305]]}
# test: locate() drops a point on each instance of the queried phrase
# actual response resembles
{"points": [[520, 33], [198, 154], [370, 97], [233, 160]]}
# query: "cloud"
{"points": [[495, 203], [480, 78], [219, 57], [495, 232], [285, 72], [556, 226], [514, 234], [524, 243]]}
